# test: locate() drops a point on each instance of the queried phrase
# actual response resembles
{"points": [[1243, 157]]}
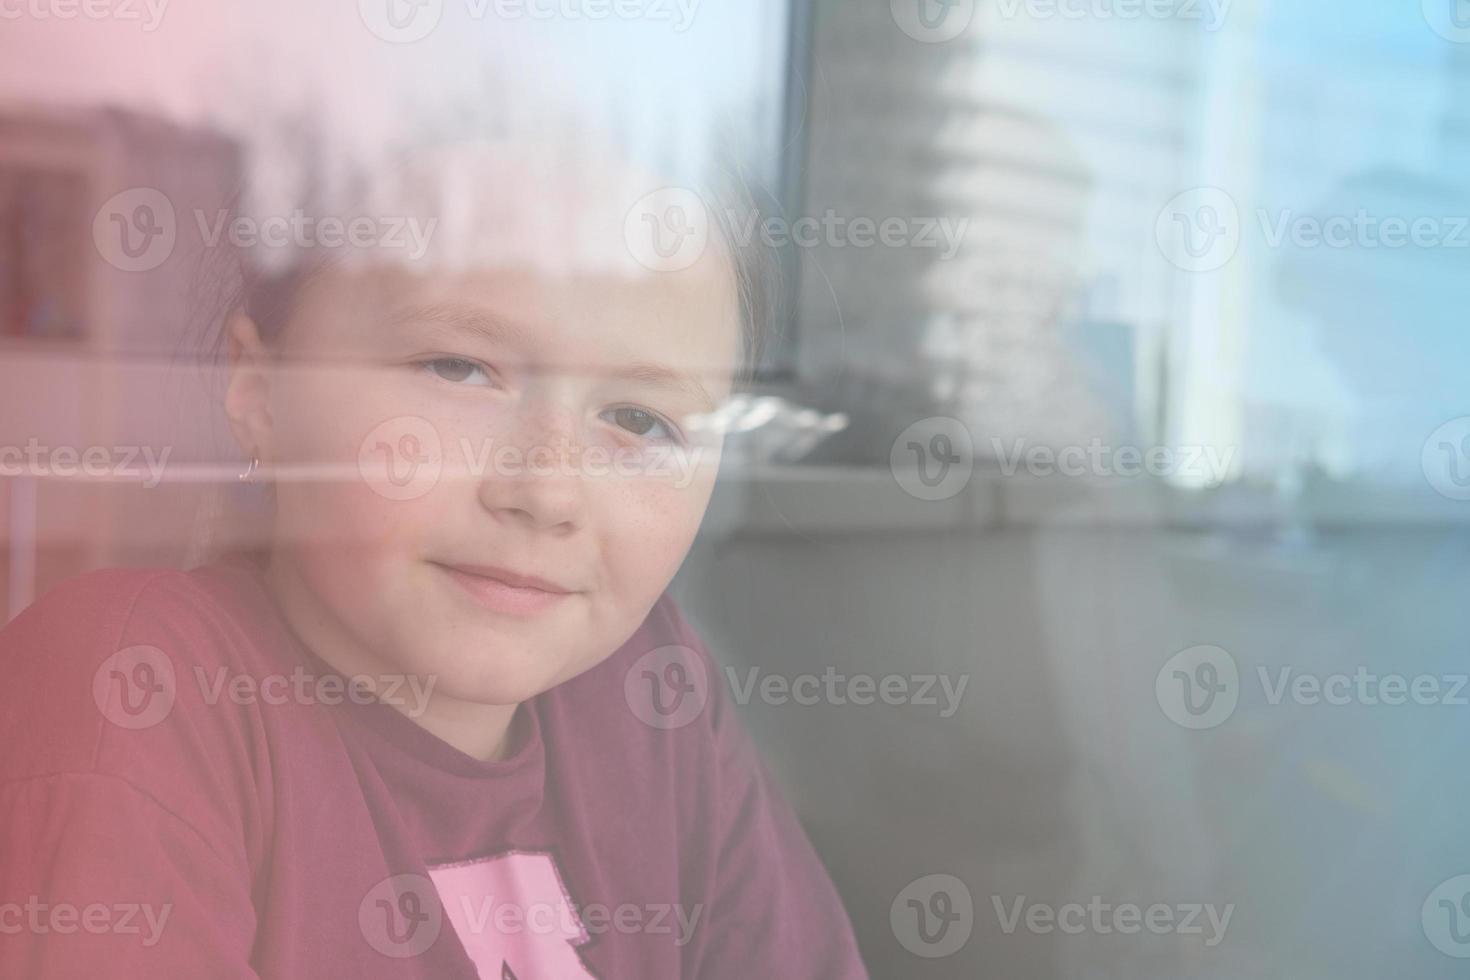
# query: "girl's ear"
{"points": [[247, 398]]}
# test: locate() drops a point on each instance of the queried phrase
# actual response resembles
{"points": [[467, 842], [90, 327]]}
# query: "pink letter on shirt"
{"points": [[513, 917]]}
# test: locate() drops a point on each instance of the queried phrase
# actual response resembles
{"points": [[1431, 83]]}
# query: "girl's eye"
{"points": [[458, 370], [641, 423]]}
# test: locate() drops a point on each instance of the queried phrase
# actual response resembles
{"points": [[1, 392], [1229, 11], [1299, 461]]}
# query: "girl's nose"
{"points": [[533, 480]]}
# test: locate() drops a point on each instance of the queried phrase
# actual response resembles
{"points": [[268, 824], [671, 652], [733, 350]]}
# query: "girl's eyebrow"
{"points": [[466, 319], [658, 376]]}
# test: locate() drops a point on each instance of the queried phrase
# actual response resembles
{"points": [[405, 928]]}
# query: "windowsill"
{"points": [[767, 500]]}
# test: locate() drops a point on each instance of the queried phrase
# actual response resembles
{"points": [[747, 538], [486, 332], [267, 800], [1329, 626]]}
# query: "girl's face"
{"points": [[499, 473]]}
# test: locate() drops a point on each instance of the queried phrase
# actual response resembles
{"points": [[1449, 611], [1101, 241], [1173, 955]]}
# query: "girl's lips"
{"points": [[505, 592]]}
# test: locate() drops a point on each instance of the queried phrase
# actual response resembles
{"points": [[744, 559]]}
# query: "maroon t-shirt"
{"points": [[186, 791]]}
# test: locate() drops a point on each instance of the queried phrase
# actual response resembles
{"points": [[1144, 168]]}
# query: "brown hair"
{"points": [[233, 282]]}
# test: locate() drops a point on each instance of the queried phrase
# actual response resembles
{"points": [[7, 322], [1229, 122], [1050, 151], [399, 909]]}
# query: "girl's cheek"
{"points": [[356, 476], [654, 522]]}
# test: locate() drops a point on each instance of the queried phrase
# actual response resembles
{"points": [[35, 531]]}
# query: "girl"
{"points": [[445, 723]]}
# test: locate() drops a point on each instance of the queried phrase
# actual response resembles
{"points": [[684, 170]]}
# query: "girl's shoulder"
{"points": [[100, 668], [113, 700], [101, 596], [88, 619]]}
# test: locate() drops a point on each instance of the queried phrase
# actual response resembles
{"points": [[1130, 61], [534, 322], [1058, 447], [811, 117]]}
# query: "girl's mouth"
{"points": [[504, 591]]}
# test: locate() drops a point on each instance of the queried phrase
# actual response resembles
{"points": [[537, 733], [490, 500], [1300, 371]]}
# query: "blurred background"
{"points": [[1118, 380]]}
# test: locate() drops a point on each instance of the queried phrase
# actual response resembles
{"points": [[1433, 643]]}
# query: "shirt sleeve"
{"points": [[127, 808], [772, 909], [101, 881]]}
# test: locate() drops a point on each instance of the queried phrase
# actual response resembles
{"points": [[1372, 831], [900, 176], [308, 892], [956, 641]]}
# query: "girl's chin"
{"points": [[501, 687], [498, 696]]}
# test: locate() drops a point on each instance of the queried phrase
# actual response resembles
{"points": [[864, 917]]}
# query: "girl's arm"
{"points": [[122, 825], [100, 880]]}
